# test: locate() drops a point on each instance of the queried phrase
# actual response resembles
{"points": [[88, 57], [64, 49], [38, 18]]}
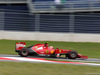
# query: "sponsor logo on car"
{"points": [[47, 51]]}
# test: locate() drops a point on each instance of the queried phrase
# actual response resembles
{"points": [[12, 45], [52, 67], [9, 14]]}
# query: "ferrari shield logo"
{"points": [[47, 51], [59, 50]]}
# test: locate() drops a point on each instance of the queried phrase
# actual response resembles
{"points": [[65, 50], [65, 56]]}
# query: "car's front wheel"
{"points": [[72, 55], [24, 52]]}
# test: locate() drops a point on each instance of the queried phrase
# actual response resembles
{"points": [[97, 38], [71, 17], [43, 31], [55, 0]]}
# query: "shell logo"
{"points": [[52, 51]]}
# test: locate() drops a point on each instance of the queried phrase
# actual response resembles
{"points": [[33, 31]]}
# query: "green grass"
{"points": [[90, 49], [16, 68]]}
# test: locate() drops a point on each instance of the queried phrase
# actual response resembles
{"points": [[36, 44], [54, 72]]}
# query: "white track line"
{"points": [[46, 61], [27, 59]]}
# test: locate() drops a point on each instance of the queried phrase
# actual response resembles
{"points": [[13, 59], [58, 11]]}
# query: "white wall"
{"points": [[43, 36]]}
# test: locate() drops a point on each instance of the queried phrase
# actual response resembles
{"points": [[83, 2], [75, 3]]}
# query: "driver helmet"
{"points": [[46, 44], [51, 47]]}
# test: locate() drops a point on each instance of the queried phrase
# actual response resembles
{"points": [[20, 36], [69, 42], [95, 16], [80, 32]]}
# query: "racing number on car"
{"points": [[47, 51]]}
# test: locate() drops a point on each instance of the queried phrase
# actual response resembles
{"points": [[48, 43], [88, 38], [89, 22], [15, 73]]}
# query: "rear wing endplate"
{"points": [[20, 45]]}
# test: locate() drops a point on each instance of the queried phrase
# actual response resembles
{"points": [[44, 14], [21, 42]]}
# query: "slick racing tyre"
{"points": [[72, 55], [24, 52]]}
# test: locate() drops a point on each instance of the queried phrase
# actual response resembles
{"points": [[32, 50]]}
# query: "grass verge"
{"points": [[16, 68]]}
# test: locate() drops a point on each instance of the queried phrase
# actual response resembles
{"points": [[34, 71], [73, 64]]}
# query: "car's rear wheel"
{"points": [[24, 52], [72, 55]]}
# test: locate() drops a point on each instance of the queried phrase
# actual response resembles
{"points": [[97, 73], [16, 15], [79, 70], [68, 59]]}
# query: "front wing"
{"points": [[82, 56]]}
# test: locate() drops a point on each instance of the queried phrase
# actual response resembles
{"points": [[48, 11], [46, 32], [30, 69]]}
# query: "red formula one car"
{"points": [[45, 50]]}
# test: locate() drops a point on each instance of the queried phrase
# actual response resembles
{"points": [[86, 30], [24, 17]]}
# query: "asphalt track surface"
{"points": [[78, 59], [38, 59]]}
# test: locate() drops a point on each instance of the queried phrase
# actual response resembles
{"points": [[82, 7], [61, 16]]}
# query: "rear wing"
{"points": [[19, 45]]}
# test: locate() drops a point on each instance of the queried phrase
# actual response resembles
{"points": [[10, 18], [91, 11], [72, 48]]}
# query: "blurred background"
{"points": [[55, 21], [52, 20]]}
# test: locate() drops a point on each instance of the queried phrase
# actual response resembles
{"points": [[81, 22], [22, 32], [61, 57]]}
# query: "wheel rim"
{"points": [[24, 52], [73, 55]]}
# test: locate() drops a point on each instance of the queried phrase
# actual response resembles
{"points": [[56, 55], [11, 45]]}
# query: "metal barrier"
{"points": [[66, 23]]}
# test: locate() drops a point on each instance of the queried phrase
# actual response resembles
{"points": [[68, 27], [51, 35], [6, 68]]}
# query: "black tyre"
{"points": [[24, 52], [18, 53], [72, 55]]}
